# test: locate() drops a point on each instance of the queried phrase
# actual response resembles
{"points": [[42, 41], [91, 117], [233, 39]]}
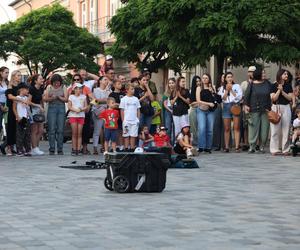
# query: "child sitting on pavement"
{"points": [[296, 127], [161, 139], [145, 138]]}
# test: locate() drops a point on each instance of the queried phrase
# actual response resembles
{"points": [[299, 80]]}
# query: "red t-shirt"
{"points": [[111, 117], [161, 141]]}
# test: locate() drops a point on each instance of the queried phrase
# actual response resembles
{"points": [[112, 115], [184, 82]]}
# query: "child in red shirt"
{"points": [[110, 117], [161, 139]]}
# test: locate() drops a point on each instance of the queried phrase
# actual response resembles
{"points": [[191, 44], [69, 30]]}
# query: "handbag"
{"points": [[274, 116], [236, 109], [39, 118]]}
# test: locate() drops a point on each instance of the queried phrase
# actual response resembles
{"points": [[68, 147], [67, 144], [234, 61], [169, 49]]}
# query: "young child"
{"points": [[130, 114], [110, 117], [146, 139], [161, 139], [77, 105], [296, 127], [22, 112], [156, 119], [184, 142]]}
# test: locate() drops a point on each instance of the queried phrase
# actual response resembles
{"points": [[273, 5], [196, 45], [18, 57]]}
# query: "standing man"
{"points": [[110, 74], [146, 72], [244, 120]]}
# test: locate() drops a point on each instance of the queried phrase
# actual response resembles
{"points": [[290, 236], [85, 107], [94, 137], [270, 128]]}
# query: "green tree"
{"points": [[49, 37], [183, 33]]}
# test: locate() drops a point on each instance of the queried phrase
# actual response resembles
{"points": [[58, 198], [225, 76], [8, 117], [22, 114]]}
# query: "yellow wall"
{"points": [[22, 8]]}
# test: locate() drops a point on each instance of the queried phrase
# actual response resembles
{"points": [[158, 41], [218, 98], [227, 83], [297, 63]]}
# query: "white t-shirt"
{"points": [[236, 88], [3, 88], [22, 109], [181, 136], [77, 102], [100, 94], [130, 105], [89, 84], [296, 123]]}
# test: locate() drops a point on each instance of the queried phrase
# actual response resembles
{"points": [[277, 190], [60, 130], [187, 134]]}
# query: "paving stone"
{"points": [[249, 203]]}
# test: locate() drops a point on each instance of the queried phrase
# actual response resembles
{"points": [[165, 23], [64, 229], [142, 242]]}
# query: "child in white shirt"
{"points": [[130, 114]]}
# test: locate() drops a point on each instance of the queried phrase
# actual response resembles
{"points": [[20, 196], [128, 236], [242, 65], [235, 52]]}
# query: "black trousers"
{"points": [[87, 128], [23, 137], [11, 128]]}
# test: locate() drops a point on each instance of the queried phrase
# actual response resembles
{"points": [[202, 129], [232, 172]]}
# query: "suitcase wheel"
{"points": [[108, 184], [121, 184]]}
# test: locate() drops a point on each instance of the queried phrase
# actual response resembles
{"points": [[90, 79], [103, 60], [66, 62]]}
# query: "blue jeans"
{"points": [[1, 116], [56, 124], [205, 121], [145, 121], [168, 123]]}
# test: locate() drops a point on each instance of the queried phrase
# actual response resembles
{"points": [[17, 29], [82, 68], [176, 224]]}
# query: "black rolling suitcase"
{"points": [[136, 172]]}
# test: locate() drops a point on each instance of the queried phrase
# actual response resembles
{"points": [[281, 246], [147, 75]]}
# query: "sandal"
{"points": [[238, 150], [226, 150]]}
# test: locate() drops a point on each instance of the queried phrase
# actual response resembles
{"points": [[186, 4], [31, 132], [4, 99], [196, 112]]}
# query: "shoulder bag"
{"points": [[274, 116]]}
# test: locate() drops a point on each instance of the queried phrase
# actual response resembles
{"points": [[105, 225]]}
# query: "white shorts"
{"points": [[130, 129]]}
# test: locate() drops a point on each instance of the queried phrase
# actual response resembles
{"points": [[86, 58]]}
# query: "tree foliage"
{"points": [[185, 33], [49, 37]]}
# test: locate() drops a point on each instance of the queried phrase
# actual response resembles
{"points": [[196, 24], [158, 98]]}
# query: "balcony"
{"points": [[99, 28]]}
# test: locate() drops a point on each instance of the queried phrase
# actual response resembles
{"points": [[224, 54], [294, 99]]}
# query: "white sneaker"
{"points": [[189, 153], [40, 151], [105, 153], [36, 151]]}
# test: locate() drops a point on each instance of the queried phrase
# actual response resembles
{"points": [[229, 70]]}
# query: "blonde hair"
{"points": [[13, 74], [128, 85]]}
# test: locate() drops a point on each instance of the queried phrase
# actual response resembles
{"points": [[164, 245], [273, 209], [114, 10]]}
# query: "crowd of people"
{"points": [[120, 115]]}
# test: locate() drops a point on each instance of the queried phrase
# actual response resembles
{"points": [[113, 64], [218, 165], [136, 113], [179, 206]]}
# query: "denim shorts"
{"points": [[226, 113], [110, 134]]}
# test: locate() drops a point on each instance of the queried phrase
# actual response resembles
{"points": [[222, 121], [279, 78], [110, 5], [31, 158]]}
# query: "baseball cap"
{"points": [[185, 125], [251, 69], [108, 57], [162, 128]]}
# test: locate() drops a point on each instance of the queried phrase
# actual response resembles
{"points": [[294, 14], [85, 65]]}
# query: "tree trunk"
{"points": [[28, 66], [220, 65]]}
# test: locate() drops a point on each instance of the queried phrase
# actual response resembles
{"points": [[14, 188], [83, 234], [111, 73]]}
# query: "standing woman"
{"points": [[56, 95], [231, 94], [205, 113], [100, 94], [281, 95], [180, 101], [145, 96], [167, 108], [196, 82], [3, 109], [11, 95], [36, 92], [218, 134], [257, 101]]}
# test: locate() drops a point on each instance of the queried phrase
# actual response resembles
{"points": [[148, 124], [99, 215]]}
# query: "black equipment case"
{"points": [[136, 172]]}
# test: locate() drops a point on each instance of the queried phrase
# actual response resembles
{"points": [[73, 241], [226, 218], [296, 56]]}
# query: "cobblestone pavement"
{"points": [[234, 201]]}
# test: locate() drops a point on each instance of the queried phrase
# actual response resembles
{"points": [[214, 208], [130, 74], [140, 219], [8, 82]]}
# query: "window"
{"points": [[83, 15]]}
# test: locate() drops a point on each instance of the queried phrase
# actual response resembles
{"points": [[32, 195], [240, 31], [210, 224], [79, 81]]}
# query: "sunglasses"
{"points": [[76, 79]]}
